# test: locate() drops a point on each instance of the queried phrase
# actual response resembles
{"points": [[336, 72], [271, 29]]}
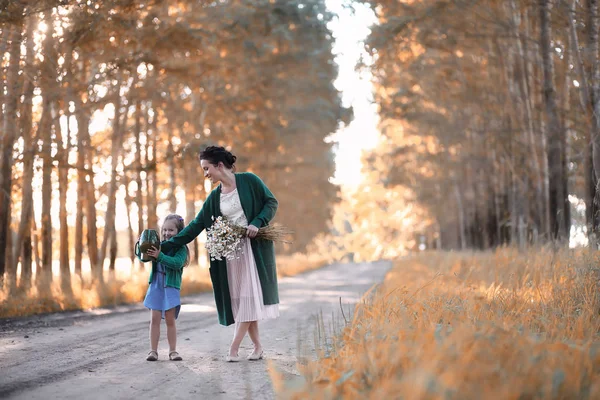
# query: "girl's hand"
{"points": [[251, 231], [153, 252]]}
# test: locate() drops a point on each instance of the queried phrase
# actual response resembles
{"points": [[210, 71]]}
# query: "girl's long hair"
{"points": [[179, 225]]}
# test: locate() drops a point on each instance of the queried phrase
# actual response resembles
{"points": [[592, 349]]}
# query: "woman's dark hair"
{"points": [[178, 219], [217, 154]]}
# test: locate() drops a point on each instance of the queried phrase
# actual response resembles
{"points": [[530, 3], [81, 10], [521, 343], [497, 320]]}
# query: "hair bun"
{"points": [[217, 154]]}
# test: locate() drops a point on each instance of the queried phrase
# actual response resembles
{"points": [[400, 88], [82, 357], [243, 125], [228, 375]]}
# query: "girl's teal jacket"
{"points": [[173, 265], [259, 206]]}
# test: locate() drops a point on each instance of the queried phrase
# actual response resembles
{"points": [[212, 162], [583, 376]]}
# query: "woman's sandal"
{"points": [[174, 356], [256, 356], [152, 356], [229, 358]]}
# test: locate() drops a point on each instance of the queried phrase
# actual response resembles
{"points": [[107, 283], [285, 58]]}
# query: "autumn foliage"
{"points": [[487, 117], [106, 104]]}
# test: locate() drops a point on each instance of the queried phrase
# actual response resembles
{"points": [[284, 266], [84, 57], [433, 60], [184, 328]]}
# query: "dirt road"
{"points": [[101, 354]]}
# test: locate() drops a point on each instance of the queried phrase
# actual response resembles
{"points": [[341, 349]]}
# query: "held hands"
{"points": [[251, 231], [153, 252]]}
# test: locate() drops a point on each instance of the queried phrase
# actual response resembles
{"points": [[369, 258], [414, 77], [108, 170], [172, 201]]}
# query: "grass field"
{"points": [[502, 325]]}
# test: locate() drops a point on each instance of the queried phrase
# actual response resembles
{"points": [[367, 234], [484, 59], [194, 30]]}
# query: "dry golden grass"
{"points": [[503, 325], [116, 290], [127, 286]]}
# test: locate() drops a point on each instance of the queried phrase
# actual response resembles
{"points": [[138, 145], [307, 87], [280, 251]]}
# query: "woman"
{"points": [[245, 288]]}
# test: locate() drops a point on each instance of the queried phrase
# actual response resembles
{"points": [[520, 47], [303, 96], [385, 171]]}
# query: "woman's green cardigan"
{"points": [[259, 206]]}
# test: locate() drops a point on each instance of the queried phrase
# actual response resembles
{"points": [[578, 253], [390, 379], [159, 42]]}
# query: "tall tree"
{"points": [[559, 203], [10, 131], [23, 241], [46, 126], [62, 156], [116, 145], [594, 84]]}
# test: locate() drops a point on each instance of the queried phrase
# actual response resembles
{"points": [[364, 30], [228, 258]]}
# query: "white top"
{"points": [[231, 207]]}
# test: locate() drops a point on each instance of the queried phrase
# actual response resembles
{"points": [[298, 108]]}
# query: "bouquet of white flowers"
{"points": [[224, 239]]}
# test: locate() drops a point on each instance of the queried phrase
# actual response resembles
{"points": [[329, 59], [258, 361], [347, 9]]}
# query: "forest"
{"points": [[106, 105], [489, 114]]}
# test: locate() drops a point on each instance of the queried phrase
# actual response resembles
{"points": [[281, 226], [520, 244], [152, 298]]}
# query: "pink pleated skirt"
{"points": [[245, 290]]}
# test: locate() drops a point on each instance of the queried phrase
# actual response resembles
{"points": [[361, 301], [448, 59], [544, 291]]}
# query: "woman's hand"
{"points": [[153, 252], [251, 231]]}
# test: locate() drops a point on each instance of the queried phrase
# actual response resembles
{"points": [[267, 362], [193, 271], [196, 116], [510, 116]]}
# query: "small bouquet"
{"points": [[224, 239]]}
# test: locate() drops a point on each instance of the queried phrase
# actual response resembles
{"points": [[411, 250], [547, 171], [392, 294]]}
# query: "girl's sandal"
{"points": [[152, 356], [174, 356]]}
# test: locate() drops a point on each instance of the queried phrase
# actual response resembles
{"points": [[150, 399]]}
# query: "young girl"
{"points": [[162, 297]]}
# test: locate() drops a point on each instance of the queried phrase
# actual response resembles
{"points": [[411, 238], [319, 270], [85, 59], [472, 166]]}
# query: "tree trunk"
{"points": [[114, 244], [566, 135], [151, 181], [6, 156], [536, 96], [586, 105], [128, 204], [594, 62], [22, 243], [36, 246], [48, 122], [86, 191], [81, 198], [117, 138], [544, 153], [139, 199], [44, 273], [461, 217], [82, 118], [194, 179], [468, 206], [172, 176], [96, 266], [63, 186], [555, 130], [525, 86], [4, 37], [190, 174], [514, 222], [517, 124], [11, 268], [114, 247], [496, 182]]}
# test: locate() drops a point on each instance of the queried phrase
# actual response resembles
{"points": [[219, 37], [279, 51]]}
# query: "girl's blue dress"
{"points": [[162, 298]]}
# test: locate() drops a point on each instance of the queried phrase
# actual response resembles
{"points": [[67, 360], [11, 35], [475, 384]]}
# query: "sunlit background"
{"points": [[350, 27]]}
